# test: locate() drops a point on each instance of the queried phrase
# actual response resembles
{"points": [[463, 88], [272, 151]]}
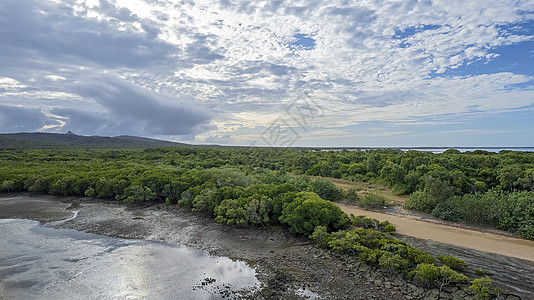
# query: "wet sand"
{"points": [[415, 226]]}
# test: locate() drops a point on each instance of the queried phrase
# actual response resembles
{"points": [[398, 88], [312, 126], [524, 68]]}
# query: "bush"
{"points": [[326, 190], [370, 223], [450, 209], [136, 193], [320, 234], [352, 195], [482, 288], [372, 200], [308, 210], [393, 262], [426, 274], [421, 201], [452, 262], [518, 215]]}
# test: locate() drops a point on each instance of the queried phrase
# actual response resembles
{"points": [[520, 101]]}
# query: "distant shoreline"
{"points": [[431, 149]]}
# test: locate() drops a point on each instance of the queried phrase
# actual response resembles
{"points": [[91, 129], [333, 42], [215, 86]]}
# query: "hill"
{"points": [[41, 140]]}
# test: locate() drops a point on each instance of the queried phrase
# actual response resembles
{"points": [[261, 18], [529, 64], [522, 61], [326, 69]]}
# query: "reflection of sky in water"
{"points": [[45, 263]]}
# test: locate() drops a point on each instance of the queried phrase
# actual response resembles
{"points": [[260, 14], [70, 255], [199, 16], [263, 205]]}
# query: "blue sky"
{"points": [[276, 73]]}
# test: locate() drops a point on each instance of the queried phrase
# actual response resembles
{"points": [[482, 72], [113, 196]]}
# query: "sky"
{"points": [[272, 73]]}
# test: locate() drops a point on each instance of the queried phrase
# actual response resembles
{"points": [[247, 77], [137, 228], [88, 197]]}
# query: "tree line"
{"points": [[481, 187]]}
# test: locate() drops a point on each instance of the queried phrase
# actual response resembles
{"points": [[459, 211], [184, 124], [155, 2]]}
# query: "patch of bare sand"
{"points": [[417, 227]]}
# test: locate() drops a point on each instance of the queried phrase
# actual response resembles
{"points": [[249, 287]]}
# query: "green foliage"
{"points": [[427, 274], [474, 187], [308, 210], [352, 195], [379, 249], [326, 190], [518, 214], [421, 201], [136, 194], [452, 262], [372, 200], [370, 223], [482, 288], [393, 262], [8, 186], [389, 228], [479, 272], [320, 234], [447, 276]]}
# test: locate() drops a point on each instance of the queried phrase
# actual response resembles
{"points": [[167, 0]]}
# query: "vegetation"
{"points": [[380, 249], [263, 187], [495, 189], [481, 287]]}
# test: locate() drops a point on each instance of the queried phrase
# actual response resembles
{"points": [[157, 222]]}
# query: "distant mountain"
{"points": [[40, 140]]}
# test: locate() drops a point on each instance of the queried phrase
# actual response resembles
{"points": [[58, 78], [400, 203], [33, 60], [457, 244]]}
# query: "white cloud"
{"points": [[371, 60]]}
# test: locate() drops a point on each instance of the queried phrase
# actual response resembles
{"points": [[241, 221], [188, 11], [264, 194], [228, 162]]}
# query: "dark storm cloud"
{"points": [[37, 33], [135, 110], [18, 119]]}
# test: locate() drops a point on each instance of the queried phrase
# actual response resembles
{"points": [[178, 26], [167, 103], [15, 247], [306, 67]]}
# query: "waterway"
{"points": [[39, 262]]}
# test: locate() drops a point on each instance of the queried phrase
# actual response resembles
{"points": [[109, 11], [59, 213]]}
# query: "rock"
{"points": [[399, 281], [432, 294], [512, 297], [450, 289], [445, 295], [458, 295], [411, 287]]}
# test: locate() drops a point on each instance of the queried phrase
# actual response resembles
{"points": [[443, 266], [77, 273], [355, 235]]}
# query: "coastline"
{"points": [[287, 267]]}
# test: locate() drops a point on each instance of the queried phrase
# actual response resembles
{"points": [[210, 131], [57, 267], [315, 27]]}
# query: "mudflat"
{"points": [[287, 267]]}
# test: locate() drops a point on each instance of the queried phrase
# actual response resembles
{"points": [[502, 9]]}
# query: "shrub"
{"points": [[389, 228], [320, 234], [392, 262], [481, 287], [479, 272], [450, 209], [136, 193], [326, 190], [452, 262], [426, 274], [308, 210], [370, 223], [448, 276], [352, 195], [372, 200], [421, 201], [518, 215]]}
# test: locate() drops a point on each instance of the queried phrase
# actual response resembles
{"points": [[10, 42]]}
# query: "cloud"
{"points": [[20, 119], [170, 69], [41, 34], [134, 110]]}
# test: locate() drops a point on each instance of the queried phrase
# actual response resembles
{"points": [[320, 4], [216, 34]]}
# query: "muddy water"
{"points": [[45, 263]]}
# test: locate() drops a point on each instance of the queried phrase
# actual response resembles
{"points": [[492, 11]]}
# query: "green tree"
{"points": [[136, 193], [308, 211], [326, 190], [8, 185]]}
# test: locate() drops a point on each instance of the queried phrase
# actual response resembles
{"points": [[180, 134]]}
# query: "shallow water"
{"points": [[39, 262]]}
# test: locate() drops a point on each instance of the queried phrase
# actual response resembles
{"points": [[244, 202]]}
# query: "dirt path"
{"points": [[483, 241]]}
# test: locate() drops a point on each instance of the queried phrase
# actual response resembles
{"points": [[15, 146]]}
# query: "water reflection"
{"points": [[46, 263]]}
